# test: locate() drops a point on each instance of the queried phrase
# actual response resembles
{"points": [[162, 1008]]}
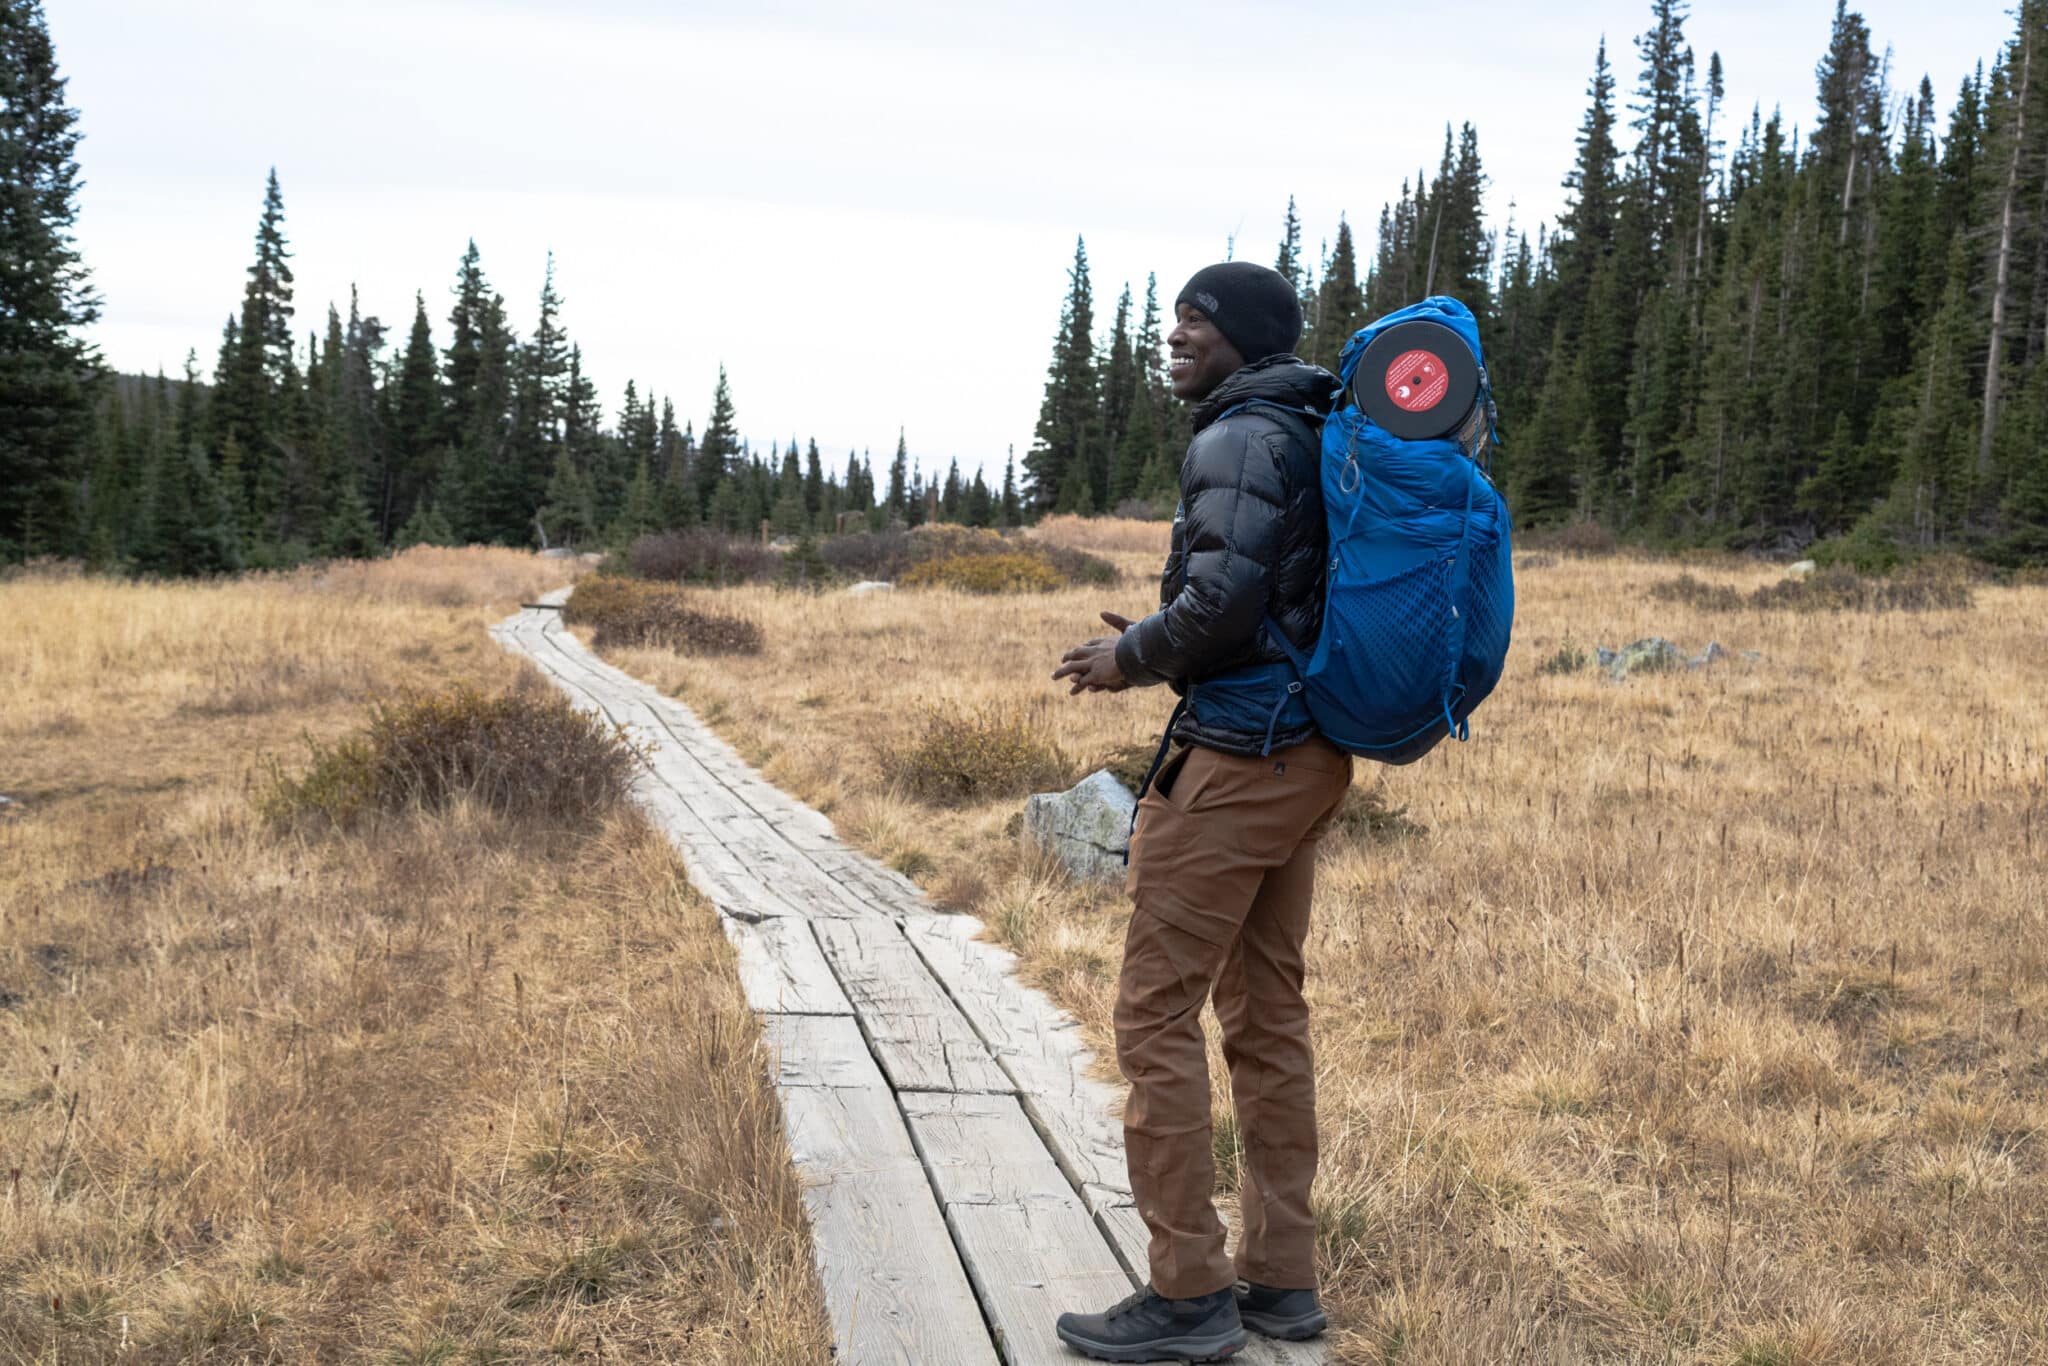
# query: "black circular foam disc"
{"points": [[1417, 380]]}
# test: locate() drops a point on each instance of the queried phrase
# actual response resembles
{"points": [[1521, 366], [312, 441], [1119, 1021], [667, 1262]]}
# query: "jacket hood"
{"points": [[1288, 381]]}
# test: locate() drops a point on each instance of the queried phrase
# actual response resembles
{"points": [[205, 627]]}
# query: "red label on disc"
{"points": [[1416, 381]]}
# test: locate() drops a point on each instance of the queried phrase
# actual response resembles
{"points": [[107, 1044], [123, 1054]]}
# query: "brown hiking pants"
{"points": [[1222, 867]]}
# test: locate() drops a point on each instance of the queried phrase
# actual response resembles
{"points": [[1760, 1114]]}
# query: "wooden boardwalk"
{"points": [[963, 1173]]}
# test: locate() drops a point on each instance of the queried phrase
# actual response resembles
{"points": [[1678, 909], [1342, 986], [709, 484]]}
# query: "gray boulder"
{"points": [[867, 586], [1086, 828]]}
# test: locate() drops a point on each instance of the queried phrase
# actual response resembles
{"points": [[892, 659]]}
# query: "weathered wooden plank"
{"points": [[894, 1286], [819, 1050], [782, 970], [923, 1041], [1029, 1246], [1036, 1046]]}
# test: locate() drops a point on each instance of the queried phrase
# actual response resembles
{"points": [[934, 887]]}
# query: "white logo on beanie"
{"points": [[1208, 303]]}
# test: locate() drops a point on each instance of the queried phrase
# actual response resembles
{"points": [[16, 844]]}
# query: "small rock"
{"points": [[558, 552], [1087, 827], [1707, 656], [1652, 654], [866, 586], [1800, 569]]}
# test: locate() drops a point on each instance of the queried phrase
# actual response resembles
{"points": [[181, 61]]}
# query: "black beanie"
{"points": [[1253, 306]]}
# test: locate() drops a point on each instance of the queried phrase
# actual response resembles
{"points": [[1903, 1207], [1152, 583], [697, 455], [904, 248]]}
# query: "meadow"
{"points": [[443, 1084], [1696, 1017]]}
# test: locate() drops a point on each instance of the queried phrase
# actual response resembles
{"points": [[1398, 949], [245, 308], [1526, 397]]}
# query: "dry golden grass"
{"points": [[445, 1087], [1104, 535], [1704, 1018]]}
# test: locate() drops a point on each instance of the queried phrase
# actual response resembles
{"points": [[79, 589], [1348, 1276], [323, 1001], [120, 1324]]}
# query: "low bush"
{"points": [[1934, 586], [1840, 589], [1708, 597], [701, 555], [527, 755], [630, 612], [985, 574], [960, 756], [1570, 658], [870, 554], [902, 556]]}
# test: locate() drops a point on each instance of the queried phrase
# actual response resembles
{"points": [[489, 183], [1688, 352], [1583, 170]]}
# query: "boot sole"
{"points": [[1189, 1349], [1297, 1329]]}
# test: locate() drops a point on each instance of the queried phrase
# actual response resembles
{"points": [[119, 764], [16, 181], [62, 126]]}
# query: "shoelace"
{"points": [[1128, 1303]]}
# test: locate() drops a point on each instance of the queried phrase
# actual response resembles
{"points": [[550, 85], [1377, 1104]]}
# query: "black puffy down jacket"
{"points": [[1251, 537]]}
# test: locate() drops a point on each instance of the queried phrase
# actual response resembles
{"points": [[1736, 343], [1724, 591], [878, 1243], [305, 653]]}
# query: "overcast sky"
{"points": [[865, 212]]}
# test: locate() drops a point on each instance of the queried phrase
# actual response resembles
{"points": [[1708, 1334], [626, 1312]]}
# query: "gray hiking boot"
{"points": [[1275, 1313], [1149, 1327]]}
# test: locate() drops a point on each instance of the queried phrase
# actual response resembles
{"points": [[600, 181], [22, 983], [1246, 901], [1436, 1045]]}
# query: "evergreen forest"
{"points": [[1742, 332]]}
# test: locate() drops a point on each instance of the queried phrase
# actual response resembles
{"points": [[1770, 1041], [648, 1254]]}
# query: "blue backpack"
{"points": [[1421, 592]]}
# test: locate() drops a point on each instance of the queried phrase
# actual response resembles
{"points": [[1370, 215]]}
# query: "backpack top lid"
{"points": [[1431, 351], [1437, 308]]}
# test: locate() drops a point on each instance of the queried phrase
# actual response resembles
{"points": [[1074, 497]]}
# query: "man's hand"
{"points": [[1092, 664]]}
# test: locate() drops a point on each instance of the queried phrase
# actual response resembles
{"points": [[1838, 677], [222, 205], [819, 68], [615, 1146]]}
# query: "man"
{"points": [[1222, 859]]}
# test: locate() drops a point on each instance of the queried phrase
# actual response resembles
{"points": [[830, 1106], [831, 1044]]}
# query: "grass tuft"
{"points": [[957, 756], [526, 754]]}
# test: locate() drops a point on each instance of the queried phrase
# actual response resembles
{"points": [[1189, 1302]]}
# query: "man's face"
{"points": [[1200, 356]]}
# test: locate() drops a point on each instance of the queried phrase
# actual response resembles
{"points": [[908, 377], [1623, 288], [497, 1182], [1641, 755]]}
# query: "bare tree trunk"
{"points": [[2004, 272], [1429, 276]]}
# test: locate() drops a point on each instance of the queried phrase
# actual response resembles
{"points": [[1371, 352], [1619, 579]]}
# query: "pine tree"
{"points": [[720, 446], [1010, 512], [257, 380], [426, 526], [899, 481], [189, 528], [980, 504], [415, 424], [1340, 304], [1061, 467], [568, 517], [638, 514], [1289, 262], [47, 370], [814, 486], [1122, 391]]}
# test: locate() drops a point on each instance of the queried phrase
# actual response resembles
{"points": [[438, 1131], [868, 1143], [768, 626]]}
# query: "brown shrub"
{"points": [[870, 554], [528, 755], [1708, 597], [703, 556], [1834, 588], [896, 554], [629, 612], [959, 756]]}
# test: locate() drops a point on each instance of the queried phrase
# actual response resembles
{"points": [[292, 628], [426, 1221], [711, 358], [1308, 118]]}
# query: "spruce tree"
{"points": [[47, 370], [258, 380], [189, 528], [720, 446], [568, 516], [1010, 512], [1340, 304], [898, 502], [1122, 391], [415, 423], [1061, 469]]}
